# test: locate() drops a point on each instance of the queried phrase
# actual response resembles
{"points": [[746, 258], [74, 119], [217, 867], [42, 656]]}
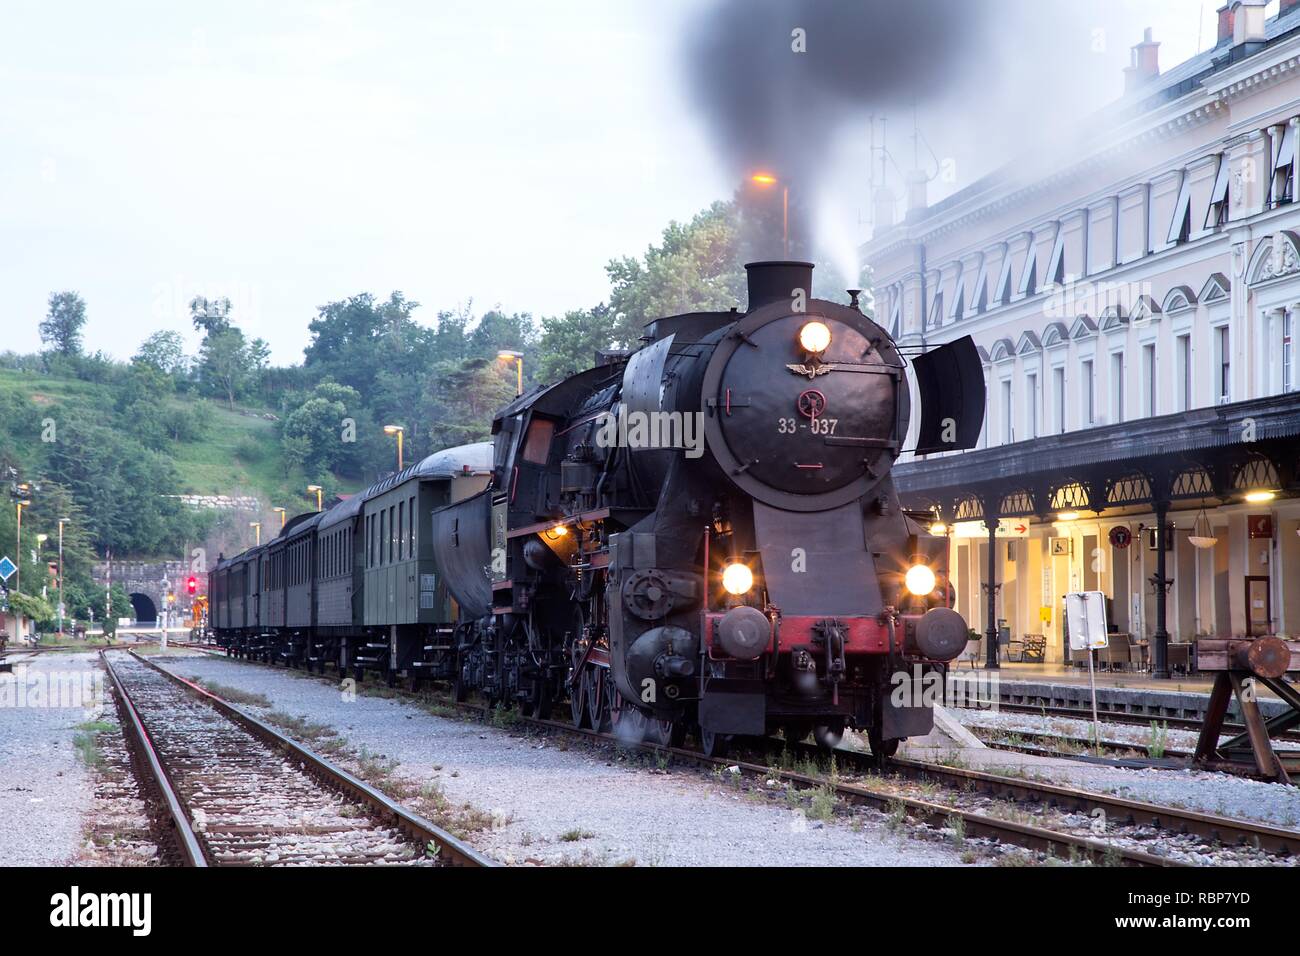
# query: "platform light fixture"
{"points": [[1260, 496], [397, 430], [1068, 516], [511, 355]]}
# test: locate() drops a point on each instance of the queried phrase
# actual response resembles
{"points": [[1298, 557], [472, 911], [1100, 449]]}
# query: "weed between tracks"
{"points": [[86, 742], [233, 695]]}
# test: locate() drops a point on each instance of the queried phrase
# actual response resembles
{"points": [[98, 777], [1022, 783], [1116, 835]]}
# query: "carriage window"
{"points": [[537, 444], [410, 510], [401, 530], [383, 536], [392, 531]]}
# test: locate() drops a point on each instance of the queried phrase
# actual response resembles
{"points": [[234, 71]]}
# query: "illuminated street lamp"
{"points": [[319, 491], [62, 522], [18, 580], [397, 430], [282, 513], [510, 355], [257, 529], [767, 179]]}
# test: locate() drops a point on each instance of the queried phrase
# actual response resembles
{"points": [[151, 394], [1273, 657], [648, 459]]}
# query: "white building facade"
{"points": [[1136, 307]]}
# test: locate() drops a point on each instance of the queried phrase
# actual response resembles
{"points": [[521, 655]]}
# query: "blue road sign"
{"points": [[7, 568]]}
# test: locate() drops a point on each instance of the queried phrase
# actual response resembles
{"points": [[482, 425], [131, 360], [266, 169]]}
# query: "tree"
{"points": [[223, 363], [210, 316], [697, 268], [165, 351], [312, 432], [61, 329], [462, 400], [569, 342]]}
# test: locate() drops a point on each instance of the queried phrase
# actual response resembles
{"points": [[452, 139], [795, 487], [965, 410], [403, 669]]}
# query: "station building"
{"points": [[1135, 306]]}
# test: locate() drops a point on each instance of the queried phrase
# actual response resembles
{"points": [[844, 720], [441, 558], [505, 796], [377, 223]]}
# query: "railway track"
{"points": [[232, 791], [1125, 717], [1124, 821]]}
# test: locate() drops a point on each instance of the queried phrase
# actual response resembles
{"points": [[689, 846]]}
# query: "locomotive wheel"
{"points": [[713, 744], [578, 701], [659, 731], [828, 736], [881, 749], [628, 723], [598, 705], [795, 733], [542, 699]]}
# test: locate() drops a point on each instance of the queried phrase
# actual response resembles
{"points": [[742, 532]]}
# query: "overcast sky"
{"points": [[286, 154]]}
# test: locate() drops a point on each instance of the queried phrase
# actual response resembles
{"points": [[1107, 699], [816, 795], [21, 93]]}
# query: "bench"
{"points": [[1033, 648]]}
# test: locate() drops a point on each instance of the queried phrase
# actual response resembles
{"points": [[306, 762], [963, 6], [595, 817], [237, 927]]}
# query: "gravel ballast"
{"points": [[552, 805], [45, 790], [1219, 793]]}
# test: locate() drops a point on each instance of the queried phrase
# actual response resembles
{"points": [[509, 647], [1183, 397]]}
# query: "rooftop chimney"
{"points": [[1144, 65], [1226, 17], [1248, 22], [883, 201], [918, 189]]}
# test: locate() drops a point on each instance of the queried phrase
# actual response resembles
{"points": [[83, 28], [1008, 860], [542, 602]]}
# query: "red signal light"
{"points": [[192, 585]]}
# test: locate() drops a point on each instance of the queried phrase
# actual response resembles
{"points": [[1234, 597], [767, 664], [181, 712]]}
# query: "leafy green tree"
{"points": [[165, 351], [462, 400], [210, 316], [312, 432], [696, 268], [61, 328], [223, 363], [569, 342]]}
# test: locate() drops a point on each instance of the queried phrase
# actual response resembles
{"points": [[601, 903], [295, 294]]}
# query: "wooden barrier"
{"points": [[1242, 664]]}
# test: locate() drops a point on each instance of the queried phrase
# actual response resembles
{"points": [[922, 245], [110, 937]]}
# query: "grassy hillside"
{"points": [[237, 451]]}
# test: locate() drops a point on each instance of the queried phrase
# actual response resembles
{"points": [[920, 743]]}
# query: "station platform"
{"points": [[1060, 686]]}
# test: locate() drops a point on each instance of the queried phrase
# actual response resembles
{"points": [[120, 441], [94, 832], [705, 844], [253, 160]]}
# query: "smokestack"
{"points": [[777, 281], [1248, 23], [1226, 16], [1144, 64]]}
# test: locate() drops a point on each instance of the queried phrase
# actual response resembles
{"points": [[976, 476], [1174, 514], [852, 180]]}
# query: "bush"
{"points": [[249, 450]]}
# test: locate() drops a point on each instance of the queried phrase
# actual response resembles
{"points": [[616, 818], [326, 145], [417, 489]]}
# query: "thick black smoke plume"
{"points": [[769, 106]]}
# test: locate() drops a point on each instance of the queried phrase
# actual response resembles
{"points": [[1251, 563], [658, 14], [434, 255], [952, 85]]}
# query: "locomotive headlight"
{"points": [[815, 337], [737, 578], [919, 580]]}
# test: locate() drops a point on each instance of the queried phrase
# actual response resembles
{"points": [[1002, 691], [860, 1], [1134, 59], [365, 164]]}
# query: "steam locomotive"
{"points": [[700, 537]]}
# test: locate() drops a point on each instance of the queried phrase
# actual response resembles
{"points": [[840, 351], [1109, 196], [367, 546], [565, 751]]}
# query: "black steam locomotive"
{"points": [[700, 537]]}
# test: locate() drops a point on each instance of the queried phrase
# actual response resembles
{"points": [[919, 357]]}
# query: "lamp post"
{"points": [[767, 179], [62, 522], [282, 513], [18, 581], [40, 547], [319, 491], [510, 355], [397, 430], [257, 530]]}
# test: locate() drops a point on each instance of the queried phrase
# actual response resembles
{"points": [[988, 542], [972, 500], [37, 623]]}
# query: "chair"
{"points": [[1179, 657], [1114, 654], [1137, 653], [1033, 648]]}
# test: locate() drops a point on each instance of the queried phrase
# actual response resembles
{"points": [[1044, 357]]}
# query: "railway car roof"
{"points": [[340, 512], [460, 460], [299, 525]]}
